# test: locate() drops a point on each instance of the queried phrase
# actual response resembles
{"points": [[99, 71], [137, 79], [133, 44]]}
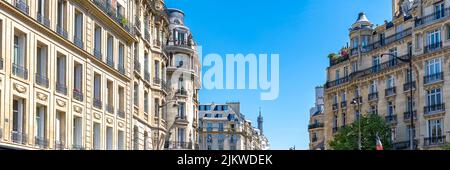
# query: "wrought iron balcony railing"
{"points": [[407, 116], [121, 68], [41, 142], [373, 96], [390, 91], [432, 18], [43, 20], [78, 42], [391, 119], [435, 141], [61, 88], [404, 145], [316, 125], [22, 6], [432, 109], [432, 47], [19, 137], [98, 54], [78, 95], [97, 103], [62, 31], [432, 78], [110, 61], [42, 80], [20, 71], [409, 86]]}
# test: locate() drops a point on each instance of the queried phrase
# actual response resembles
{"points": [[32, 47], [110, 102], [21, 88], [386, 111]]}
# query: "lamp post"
{"points": [[159, 120], [410, 84], [357, 102]]}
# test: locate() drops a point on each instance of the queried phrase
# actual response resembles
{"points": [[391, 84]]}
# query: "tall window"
{"points": [[434, 97], [41, 65], [109, 138], [61, 74], [146, 102], [390, 83], [355, 43], [345, 71], [78, 30], [120, 140], [354, 66], [343, 96], [434, 38], [434, 66], [96, 139], [110, 51], [157, 68], [344, 119], [337, 75], [98, 42], [435, 128], [19, 121], [376, 63], [62, 21], [120, 59], [110, 96], [121, 111], [42, 12], [19, 60], [390, 108], [78, 77], [156, 107], [181, 135], [439, 10], [392, 58], [135, 138], [136, 94], [77, 132], [41, 124], [60, 129], [97, 90], [373, 87], [365, 40], [181, 110]]}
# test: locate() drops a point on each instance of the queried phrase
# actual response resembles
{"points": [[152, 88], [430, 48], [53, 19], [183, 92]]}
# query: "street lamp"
{"points": [[159, 121], [410, 84], [356, 101]]}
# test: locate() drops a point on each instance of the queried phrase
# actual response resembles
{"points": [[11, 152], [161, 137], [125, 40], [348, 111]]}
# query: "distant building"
{"points": [[316, 122], [224, 127]]}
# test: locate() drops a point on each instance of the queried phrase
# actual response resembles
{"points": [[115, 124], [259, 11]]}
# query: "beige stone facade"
{"points": [[83, 74], [419, 29]]}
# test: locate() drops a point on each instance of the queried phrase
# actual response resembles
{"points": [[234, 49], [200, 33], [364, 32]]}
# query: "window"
{"points": [[392, 58], [109, 138], [97, 91], [181, 110], [448, 31], [61, 74], [146, 62], [110, 51], [19, 121], [120, 140], [390, 83], [41, 126], [41, 65], [19, 60], [110, 96], [78, 30], [354, 66], [98, 42], [439, 10], [146, 102], [135, 138], [381, 37], [434, 39], [390, 108], [209, 127], [42, 12], [121, 111], [120, 59], [344, 119], [410, 102], [345, 71], [373, 110], [373, 87], [434, 66], [157, 107], [343, 96], [434, 97], [337, 75], [365, 40], [61, 27], [376, 63], [435, 128], [181, 135], [136, 94], [355, 43], [77, 133], [96, 137], [335, 99], [335, 121], [408, 131], [60, 130], [157, 68], [220, 127], [145, 141], [78, 81], [410, 48]]}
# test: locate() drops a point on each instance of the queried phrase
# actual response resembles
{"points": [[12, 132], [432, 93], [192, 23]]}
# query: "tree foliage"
{"points": [[347, 137]]}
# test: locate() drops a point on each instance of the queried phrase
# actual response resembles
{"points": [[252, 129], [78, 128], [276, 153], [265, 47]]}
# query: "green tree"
{"points": [[347, 137]]}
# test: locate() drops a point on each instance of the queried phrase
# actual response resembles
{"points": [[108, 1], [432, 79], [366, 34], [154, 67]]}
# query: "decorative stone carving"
{"points": [[120, 124], [77, 109], [19, 88], [41, 96], [109, 120], [97, 116], [60, 103]]}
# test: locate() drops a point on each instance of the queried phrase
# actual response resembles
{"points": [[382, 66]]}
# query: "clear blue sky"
{"points": [[303, 32]]}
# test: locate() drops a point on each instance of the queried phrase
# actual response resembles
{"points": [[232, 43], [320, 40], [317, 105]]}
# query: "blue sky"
{"points": [[303, 32]]}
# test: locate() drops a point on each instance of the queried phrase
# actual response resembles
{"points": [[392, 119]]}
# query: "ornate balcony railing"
{"points": [[435, 141], [409, 86], [41, 142], [61, 88], [110, 61], [315, 126], [20, 71], [337, 82], [432, 78], [432, 47], [433, 17], [121, 113], [111, 11], [338, 60], [110, 108], [178, 145], [404, 145], [78, 95], [407, 116], [437, 108], [390, 91], [391, 119], [373, 96], [386, 41], [181, 92], [97, 103], [78, 42], [98, 54], [156, 81], [61, 31], [22, 6], [42, 80], [19, 137], [43, 20], [121, 68]]}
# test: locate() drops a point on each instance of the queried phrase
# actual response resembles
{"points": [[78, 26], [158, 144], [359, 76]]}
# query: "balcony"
{"points": [[432, 18], [433, 78], [390, 91], [61, 88], [409, 86], [137, 66], [97, 103], [110, 109], [41, 142], [19, 137], [391, 119], [337, 82], [98, 54], [43, 20], [335, 106], [354, 51], [434, 141], [373, 96], [22, 6], [181, 92], [42, 80], [388, 40], [157, 81], [178, 145], [407, 116], [344, 104], [315, 126], [78, 42], [60, 145], [62, 31], [121, 113], [434, 109], [404, 145], [110, 10], [78, 95], [110, 61], [338, 60], [20, 71], [432, 47]]}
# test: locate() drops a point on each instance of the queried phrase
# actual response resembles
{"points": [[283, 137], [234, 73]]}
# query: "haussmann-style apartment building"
{"points": [[224, 127], [316, 122], [380, 84], [93, 74]]}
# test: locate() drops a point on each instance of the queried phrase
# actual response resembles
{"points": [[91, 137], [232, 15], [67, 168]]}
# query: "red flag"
{"points": [[379, 146]]}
